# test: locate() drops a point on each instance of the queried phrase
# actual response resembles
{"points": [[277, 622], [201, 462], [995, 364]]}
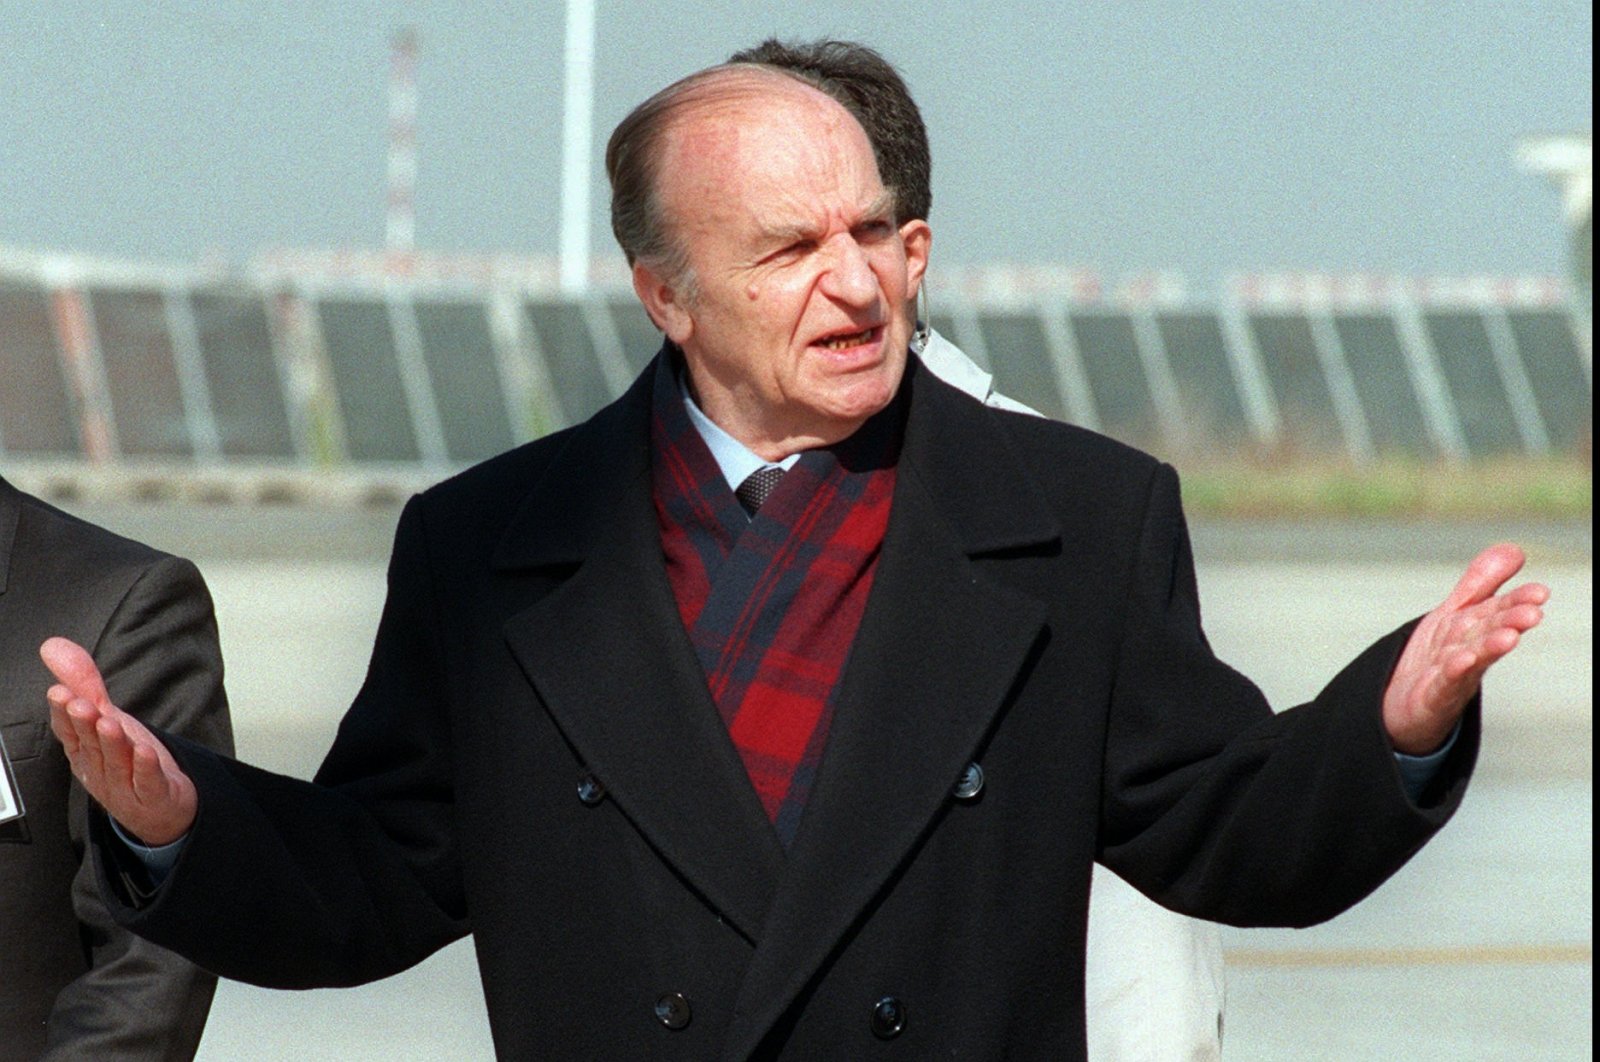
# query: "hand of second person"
{"points": [[119, 762], [1444, 661]]}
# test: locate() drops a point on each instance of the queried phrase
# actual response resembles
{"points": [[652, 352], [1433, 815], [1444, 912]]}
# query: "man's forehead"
{"points": [[736, 108]]}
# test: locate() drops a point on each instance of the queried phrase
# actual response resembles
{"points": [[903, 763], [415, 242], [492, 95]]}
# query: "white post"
{"points": [[577, 118], [400, 221]]}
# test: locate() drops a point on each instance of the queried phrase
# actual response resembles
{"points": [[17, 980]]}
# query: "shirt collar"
{"points": [[734, 458]]}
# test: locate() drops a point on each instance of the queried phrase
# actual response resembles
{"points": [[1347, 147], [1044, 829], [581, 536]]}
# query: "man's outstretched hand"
{"points": [[119, 762], [1453, 646]]}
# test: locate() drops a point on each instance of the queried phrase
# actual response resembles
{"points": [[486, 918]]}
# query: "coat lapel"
{"points": [[10, 513], [938, 650], [609, 658]]}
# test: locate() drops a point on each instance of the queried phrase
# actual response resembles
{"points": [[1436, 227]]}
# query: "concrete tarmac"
{"points": [[1481, 948]]}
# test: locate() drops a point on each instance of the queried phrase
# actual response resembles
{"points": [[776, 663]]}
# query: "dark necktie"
{"points": [[757, 487]]}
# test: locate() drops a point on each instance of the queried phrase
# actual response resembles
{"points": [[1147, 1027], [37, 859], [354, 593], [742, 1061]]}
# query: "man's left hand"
{"points": [[1444, 661]]}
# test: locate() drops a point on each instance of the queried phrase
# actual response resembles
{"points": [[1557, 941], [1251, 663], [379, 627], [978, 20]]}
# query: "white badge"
{"points": [[10, 795]]}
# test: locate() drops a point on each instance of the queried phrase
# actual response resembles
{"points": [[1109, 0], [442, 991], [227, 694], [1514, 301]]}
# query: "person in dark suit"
{"points": [[74, 984], [715, 762]]}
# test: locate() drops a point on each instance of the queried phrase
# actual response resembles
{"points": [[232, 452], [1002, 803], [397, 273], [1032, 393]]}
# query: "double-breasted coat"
{"points": [[534, 759]]}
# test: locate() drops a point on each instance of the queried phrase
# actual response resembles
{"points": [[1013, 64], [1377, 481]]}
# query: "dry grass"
{"points": [[1554, 488]]}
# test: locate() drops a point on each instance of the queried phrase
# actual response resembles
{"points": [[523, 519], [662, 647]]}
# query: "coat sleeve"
{"points": [[161, 662], [1216, 807], [349, 878]]}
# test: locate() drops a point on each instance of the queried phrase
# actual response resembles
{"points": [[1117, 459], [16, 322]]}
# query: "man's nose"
{"points": [[849, 277]]}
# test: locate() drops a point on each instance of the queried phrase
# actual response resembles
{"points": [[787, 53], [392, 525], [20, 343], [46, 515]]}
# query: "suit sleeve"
{"points": [[352, 877], [160, 658], [1216, 807]]}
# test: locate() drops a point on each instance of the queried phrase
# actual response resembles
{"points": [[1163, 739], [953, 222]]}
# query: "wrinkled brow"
{"points": [[881, 208]]}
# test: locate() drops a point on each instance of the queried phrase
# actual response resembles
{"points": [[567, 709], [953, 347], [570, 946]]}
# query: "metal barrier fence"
{"points": [[132, 371]]}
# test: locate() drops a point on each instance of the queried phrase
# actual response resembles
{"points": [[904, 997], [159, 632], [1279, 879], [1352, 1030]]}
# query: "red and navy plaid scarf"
{"points": [[772, 604]]}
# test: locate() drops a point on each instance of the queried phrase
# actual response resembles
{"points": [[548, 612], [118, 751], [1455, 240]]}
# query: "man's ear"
{"points": [[664, 302], [918, 238]]}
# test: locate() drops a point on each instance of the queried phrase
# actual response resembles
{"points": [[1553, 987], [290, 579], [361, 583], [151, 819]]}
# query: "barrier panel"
{"points": [[1295, 371], [459, 351], [1197, 351], [242, 374], [146, 396], [1109, 350], [1021, 358], [567, 346], [36, 409], [1372, 347], [414, 377], [375, 415], [1549, 351], [1461, 342]]}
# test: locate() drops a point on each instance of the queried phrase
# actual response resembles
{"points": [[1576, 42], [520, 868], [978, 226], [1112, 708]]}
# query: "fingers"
{"points": [[59, 697], [150, 783], [1443, 663], [1522, 617], [1470, 663], [85, 719], [74, 668], [99, 742], [1529, 594], [116, 755], [1488, 572], [119, 763]]}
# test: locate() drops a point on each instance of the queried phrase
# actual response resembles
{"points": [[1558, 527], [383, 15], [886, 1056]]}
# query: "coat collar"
{"points": [[593, 482], [952, 443], [939, 649], [965, 461], [10, 514]]}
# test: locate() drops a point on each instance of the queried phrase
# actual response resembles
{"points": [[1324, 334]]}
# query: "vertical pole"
{"points": [[400, 220], [1157, 365], [1071, 377], [1335, 365], [1439, 410], [78, 342], [1249, 371], [1514, 380], [414, 379], [577, 118], [189, 361]]}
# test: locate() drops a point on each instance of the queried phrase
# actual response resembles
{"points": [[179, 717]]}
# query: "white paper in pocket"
{"points": [[10, 795]]}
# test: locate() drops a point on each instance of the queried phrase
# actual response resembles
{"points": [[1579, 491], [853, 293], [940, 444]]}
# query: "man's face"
{"points": [[794, 329]]}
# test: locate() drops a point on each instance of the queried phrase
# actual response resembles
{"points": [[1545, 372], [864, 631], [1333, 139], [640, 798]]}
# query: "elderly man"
{"points": [[1154, 979], [809, 768]]}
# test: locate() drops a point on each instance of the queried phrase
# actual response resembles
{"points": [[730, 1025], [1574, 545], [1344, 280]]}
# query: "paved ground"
{"points": [[1480, 949]]}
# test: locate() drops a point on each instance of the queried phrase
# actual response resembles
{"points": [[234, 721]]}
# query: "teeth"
{"points": [[842, 342]]}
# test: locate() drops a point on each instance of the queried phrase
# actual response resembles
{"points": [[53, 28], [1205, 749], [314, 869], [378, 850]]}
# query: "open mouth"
{"points": [[848, 340]]}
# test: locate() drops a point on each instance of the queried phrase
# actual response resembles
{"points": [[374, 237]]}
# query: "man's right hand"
{"points": [[112, 754]]}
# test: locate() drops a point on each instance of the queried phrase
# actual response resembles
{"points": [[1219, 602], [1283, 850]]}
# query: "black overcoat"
{"points": [[1034, 613]]}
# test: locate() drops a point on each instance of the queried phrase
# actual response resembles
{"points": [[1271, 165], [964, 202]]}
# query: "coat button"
{"points": [[672, 1010], [590, 791], [970, 784], [888, 1018]]}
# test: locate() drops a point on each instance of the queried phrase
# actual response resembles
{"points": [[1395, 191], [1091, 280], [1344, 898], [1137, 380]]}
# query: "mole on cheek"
{"points": [[753, 292]]}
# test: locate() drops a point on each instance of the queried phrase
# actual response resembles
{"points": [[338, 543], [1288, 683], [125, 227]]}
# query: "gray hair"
{"points": [[633, 163]]}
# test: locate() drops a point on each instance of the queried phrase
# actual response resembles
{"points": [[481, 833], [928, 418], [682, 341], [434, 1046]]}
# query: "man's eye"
{"points": [[874, 230]]}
